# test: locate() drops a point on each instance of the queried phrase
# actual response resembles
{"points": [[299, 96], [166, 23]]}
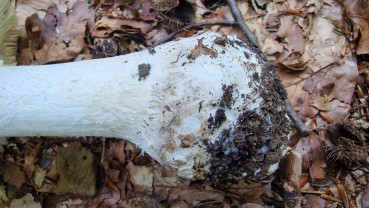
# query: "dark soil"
{"points": [[254, 144], [143, 71]]}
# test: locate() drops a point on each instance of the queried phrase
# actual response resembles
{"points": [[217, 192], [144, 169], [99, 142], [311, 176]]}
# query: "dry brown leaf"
{"points": [[144, 8], [338, 112], [141, 178], [117, 9], [201, 49], [316, 170], [124, 27], [309, 148], [57, 35], [224, 13], [194, 197], [118, 151], [357, 11], [350, 186], [327, 74], [77, 170], [12, 174], [311, 83], [271, 46], [38, 177], [26, 201], [250, 191], [292, 33], [31, 158], [25, 8]]}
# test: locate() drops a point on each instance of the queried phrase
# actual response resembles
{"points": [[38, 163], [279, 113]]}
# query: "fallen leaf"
{"points": [[141, 178], [316, 170], [292, 33], [26, 201], [3, 196], [77, 170], [12, 174], [58, 35], [357, 11]]}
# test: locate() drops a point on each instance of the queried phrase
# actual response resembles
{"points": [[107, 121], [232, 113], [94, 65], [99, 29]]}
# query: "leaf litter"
{"points": [[319, 49]]}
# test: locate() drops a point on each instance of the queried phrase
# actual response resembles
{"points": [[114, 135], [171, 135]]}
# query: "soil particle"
{"points": [[227, 99], [249, 148], [256, 77], [210, 122], [220, 117], [143, 71], [247, 55], [215, 122]]}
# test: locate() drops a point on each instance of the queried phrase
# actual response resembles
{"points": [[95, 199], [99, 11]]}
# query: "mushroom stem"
{"points": [[172, 104]]}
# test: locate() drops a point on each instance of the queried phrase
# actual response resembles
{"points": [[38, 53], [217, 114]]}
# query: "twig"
{"points": [[300, 126], [241, 22], [193, 26], [312, 74]]}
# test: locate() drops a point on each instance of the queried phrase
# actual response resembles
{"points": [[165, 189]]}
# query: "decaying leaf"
{"points": [[201, 49], [316, 170], [12, 174], [141, 178], [57, 35], [3, 197], [77, 170], [358, 20], [26, 201]]}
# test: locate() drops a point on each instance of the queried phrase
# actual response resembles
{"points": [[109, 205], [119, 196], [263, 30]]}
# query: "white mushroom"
{"points": [[212, 114]]}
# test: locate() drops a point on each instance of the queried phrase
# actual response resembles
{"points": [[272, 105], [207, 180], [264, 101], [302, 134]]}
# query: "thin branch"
{"points": [[191, 27], [300, 126], [241, 22]]}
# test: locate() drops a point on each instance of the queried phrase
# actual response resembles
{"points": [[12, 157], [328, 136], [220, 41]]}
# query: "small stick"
{"points": [[241, 22], [300, 126]]}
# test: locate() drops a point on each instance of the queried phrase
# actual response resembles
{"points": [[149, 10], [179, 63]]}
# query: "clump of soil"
{"points": [[247, 150], [143, 71], [215, 122], [227, 99]]}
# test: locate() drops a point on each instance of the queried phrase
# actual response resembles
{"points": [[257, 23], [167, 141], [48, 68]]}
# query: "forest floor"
{"points": [[320, 51]]}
